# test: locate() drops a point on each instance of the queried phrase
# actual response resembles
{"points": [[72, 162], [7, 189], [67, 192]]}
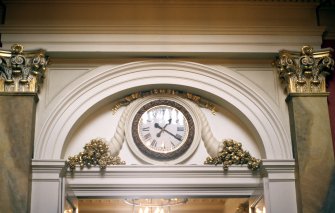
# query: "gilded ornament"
{"points": [[231, 152], [201, 102], [96, 153], [304, 71], [22, 71]]}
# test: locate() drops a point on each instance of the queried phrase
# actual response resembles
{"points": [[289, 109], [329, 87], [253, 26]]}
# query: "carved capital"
{"points": [[22, 71], [305, 71]]}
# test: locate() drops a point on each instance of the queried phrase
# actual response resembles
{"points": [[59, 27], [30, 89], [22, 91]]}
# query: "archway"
{"points": [[227, 86]]}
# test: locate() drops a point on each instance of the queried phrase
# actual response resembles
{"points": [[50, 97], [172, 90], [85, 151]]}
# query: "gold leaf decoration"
{"points": [[200, 101], [22, 71], [232, 153], [96, 153], [304, 71]]}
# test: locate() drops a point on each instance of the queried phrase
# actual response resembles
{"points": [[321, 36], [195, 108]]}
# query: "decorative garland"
{"points": [[230, 153], [95, 153], [200, 101]]}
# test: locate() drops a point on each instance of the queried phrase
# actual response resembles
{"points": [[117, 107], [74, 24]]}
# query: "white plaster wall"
{"points": [[265, 76]]}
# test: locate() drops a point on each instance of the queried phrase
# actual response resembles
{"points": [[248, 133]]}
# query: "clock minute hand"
{"points": [[179, 139]]}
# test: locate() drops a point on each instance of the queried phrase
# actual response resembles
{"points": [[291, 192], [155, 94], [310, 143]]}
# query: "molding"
{"points": [[162, 30], [152, 181], [279, 170], [171, 2], [292, 95], [34, 94], [48, 170], [238, 93], [94, 45]]}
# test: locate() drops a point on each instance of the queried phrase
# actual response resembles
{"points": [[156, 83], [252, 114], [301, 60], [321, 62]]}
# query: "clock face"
{"points": [[163, 130]]}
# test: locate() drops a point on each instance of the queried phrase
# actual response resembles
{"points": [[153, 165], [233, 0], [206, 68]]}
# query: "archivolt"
{"points": [[95, 86]]}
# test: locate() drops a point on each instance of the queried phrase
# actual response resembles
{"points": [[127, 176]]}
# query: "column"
{"points": [[20, 77], [304, 74]]}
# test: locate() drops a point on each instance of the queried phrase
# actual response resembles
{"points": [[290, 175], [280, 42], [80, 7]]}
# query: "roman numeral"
{"points": [[180, 128], [147, 136], [154, 143], [145, 129]]}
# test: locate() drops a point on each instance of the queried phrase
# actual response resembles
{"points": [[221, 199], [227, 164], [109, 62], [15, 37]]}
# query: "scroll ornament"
{"points": [[22, 71], [305, 71]]}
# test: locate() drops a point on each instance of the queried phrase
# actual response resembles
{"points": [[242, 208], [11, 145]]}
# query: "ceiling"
{"points": [[194, 205]]}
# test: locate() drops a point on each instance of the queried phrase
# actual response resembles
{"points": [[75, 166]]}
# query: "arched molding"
{"points": [[243, 97]]}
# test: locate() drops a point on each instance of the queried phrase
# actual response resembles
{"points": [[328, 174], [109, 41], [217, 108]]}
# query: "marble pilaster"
{"points": [[17, 120], [312, 148]]}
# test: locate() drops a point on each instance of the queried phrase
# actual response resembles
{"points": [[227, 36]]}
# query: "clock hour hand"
{"points": [[162, 128]]}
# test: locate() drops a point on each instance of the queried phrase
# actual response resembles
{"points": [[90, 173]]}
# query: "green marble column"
{"points": [[313, 149], [21, 75], [303, 74], [17, 121]]}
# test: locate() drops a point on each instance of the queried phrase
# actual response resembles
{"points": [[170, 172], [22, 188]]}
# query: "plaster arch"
{"points": [[97, 85]]}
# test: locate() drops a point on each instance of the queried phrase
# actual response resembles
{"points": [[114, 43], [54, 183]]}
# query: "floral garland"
{"points": [[95, 153], [232, 153]]}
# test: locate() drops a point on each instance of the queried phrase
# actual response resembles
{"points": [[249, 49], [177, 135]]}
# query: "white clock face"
{"points": [[163, 128]]}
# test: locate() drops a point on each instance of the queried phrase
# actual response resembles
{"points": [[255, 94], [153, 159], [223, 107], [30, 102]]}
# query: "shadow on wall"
{"points": [[329, 206]]}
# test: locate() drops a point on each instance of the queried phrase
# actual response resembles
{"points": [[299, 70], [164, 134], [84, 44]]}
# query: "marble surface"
{"points": [[17, 116], [313, 150]]}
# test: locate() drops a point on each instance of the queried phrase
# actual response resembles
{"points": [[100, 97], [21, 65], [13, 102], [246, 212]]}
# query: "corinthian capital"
{"points": [[304, 71], [22, 71]]}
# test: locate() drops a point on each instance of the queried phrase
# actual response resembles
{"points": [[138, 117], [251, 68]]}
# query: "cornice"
{"points": [[169, 2], [97, 45], [156, 30]]}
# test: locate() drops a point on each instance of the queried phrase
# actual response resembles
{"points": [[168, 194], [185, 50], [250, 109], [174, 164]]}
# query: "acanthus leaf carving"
{"points": [[304, 71], [22, 71]]}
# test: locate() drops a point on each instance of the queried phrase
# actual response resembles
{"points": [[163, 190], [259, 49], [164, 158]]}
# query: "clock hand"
{"points": [[175, 136], [162, 128]]}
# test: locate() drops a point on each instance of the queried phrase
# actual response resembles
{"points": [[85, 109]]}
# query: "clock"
{"points": [[163, 130]]}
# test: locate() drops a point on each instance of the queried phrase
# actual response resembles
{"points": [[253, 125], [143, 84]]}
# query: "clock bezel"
{"points": [[160, 156], [153, 158]]}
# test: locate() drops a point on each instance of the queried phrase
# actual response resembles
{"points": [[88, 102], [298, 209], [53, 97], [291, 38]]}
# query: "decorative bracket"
{"points": [[305, 71], [22, 71]]}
